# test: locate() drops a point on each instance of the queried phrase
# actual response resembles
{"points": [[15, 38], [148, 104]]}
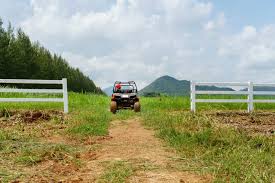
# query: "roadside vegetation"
{"points": [[207, 146], [117, 171], [26, 141], [55, 145]]}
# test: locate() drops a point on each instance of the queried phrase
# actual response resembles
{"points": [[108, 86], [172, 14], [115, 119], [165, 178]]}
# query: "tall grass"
{"points": [[24, 145], [183, 103], [116, 172], [88, 115], [230, 155]]}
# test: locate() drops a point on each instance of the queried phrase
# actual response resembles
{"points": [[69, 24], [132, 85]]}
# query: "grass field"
{"points": [[229, 154], [205, 145]]}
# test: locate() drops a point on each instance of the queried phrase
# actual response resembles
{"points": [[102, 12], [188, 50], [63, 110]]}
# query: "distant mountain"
{"points": [[168, 85], [261, 88], [108, 91]]}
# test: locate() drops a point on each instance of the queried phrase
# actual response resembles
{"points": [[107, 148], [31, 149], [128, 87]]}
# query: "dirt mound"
{"points": [[29, 116], [259, 122]]}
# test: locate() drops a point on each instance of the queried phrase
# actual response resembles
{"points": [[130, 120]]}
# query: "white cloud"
{"points": [[144, 39], [115, 67], [130, 40], [219, 23], [9, 11], [252, 51]]}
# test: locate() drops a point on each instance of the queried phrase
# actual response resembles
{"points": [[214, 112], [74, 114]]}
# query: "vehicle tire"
{"points": [[113, 107], [137, 107]]}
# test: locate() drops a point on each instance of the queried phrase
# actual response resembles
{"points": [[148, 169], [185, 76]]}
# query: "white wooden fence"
{"points": [[62, 82], [249, 93]]}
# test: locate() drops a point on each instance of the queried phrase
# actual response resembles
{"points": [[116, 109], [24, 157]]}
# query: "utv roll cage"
{"points": [[129, 83]]}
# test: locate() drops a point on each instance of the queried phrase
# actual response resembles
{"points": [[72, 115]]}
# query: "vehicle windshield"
{"points": [[124, 89]]}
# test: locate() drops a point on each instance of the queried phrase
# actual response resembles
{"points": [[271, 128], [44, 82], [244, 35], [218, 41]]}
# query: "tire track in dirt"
{"points": [[129, 141]]}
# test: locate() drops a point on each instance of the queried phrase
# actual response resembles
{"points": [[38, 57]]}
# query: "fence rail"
{"points": [[62, 82], [250, 93]]}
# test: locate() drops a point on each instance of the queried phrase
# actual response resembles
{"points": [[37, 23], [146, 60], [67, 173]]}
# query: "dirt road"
{"points": [[130, 142]]}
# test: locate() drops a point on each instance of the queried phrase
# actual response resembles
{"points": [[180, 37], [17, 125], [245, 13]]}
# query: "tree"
{"points": [[20, 58]]}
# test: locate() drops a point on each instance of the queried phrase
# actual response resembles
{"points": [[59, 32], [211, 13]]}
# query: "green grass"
{"points": [[206, 147], [38, 152], [234, 106], [23, 145], [91, 116], [88, 113], [229, 155], [183, 103], [8, 176], [116, 172]]}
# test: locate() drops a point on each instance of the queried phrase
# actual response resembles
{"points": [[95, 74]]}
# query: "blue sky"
{"points": [[247, 12], [238, 12], [204, 40]]}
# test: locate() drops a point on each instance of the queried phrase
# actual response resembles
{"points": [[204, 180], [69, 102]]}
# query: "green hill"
{"points": [[261, 88], [168, 85]]}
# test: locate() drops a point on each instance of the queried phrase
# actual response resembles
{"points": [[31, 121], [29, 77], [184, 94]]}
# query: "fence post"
{"points": [[250, 97], [65, 95], [193, 96]]}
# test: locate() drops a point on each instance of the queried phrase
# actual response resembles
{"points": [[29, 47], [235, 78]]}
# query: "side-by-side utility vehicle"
{"points": [[125, 96]]}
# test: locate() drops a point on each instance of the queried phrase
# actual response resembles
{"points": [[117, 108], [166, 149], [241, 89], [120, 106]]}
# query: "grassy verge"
{"points": [[24, 145], [207, 147], [90, 115], [19, 151], [116, 172]]}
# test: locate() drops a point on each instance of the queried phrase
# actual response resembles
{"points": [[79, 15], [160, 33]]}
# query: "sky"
{"points": [[140, 40]]}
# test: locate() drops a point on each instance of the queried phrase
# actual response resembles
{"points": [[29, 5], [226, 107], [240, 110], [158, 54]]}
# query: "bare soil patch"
{"points": [[258, 122], [8, 118]]}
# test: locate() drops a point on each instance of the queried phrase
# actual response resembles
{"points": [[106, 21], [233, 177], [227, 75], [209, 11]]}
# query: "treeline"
{"points": [[22, 59]]}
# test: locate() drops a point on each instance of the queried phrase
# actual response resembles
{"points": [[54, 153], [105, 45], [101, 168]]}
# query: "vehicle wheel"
{"points": [[137, 107], [113, 107]]}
